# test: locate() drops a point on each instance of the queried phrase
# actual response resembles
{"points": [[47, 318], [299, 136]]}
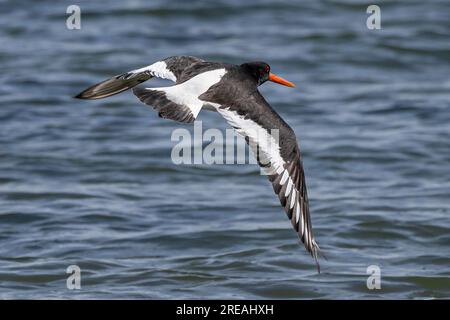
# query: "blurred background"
{"points": [[91, 183]]}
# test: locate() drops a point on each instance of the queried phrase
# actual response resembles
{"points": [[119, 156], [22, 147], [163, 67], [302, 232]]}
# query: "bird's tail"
{"points": [[114, 85]]}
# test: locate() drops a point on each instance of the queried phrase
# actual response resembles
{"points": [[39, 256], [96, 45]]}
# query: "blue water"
{"points": [[92, 183]]}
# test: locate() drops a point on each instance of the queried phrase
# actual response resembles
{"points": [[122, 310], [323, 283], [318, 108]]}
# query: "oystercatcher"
{"points": [[232, 91]]}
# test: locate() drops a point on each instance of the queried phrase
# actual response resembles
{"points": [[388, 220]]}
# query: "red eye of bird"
{"points": [[267, 68]]}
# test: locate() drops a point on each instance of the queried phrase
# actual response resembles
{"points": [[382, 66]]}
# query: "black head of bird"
{"points": [[261, 72]]}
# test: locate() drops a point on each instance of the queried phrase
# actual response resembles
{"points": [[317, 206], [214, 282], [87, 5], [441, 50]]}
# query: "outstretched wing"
{"points": [[170, 68], [275, 146], [180, 102]]}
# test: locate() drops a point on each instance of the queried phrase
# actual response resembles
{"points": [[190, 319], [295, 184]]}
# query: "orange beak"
{"points": [[277, 79]]}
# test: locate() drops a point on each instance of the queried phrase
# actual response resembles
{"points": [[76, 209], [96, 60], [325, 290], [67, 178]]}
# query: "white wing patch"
{"points": [[159, 70], [263, 144], [187, 93]]}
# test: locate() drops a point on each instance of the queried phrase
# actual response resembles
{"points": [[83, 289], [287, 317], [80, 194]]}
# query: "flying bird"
{"points": [[232, 91]]}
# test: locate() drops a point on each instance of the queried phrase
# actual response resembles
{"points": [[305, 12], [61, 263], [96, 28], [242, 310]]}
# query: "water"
{"points": [[91, 183]]}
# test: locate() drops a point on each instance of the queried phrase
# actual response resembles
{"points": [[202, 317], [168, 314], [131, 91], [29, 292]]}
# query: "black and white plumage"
{"points": [[232, 91]]}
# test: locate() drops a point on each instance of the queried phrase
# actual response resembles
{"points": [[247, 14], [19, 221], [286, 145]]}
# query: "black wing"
{"points": [[274, 144], [170, 68]]}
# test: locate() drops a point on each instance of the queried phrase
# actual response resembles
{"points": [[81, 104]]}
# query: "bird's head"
{"points": [[261, 72]]}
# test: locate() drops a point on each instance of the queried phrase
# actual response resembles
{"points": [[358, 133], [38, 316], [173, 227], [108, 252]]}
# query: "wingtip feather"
{"points": [[316, 252]]}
